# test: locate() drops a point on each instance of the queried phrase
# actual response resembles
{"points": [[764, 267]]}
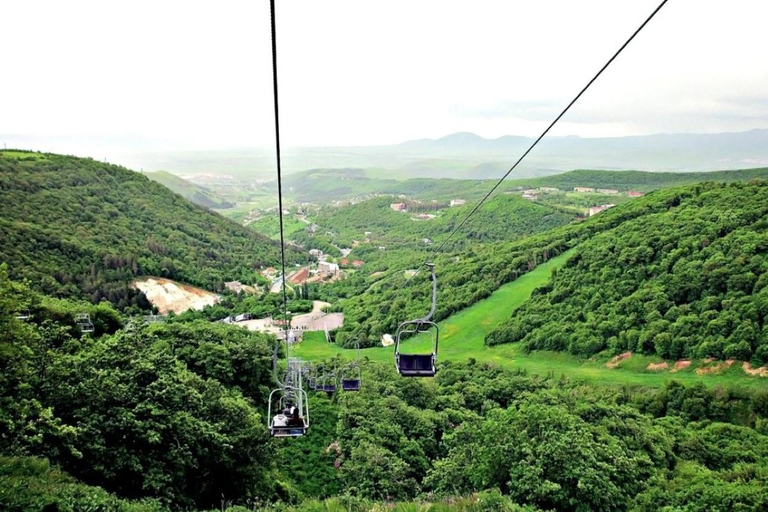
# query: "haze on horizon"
{"points": [[171, 76]]}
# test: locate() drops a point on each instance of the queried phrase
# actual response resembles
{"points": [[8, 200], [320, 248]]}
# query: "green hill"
{"points": [[641, 181], [324, 185], [688, 281], [78, 227], [504, 217], [195, 193]]}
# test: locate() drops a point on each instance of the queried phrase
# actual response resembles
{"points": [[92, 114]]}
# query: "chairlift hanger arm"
{"points": [[432, 310]]}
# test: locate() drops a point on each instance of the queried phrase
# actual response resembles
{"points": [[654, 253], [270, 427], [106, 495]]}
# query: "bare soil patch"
{"points": [[616, 360], [657, 366], [715, 368], [681, 364], [168, 295], [757, 372]]}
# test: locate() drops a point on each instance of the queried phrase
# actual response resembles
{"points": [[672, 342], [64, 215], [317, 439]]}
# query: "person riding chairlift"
{"points": [[294, 418]]}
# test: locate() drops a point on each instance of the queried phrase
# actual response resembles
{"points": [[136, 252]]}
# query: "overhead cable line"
{"points": [[279, 193], [527, 151], [543, 134]]}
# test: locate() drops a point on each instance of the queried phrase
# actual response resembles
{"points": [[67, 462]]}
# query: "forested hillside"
{"points": [[172, 412], [195, 193], [688, 281], [323, 185], [503, 218], [637, 180], [375, 303], [82, 228]]}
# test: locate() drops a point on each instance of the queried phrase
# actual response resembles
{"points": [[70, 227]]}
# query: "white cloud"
{"points": [[198, 74]]}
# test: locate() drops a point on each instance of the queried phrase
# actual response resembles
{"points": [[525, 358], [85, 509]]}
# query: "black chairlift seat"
{"points": [[328, 387], [416, 365], [350, 384]]}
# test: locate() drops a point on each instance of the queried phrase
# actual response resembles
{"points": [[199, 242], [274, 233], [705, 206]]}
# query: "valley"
{"points": [[140, 333], [462, 337]]}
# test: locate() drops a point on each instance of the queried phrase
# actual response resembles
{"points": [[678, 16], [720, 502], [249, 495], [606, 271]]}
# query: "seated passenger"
{"points": [[295, 420], [280, 420]]}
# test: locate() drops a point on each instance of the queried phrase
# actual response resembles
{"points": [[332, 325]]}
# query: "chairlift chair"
{"points": [[24, 315], [351, 375], [420, 364], [328, 383], [351, 378], [282, 425], [83, 321]]}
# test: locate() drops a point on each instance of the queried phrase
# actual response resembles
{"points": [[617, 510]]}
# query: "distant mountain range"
{"points": [[466, 155]]}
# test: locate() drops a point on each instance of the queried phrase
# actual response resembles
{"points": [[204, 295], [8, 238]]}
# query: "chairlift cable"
{"points": [[279, 193], [543, 134]]}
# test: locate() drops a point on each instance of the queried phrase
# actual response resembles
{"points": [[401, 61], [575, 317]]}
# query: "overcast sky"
{"points": [[198, 73]]}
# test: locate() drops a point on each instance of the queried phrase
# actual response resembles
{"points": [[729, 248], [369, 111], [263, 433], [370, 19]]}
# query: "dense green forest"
{"points": [[375, 302], [504, 217], [686, 282], [76, 227], [194, 193], [173, 418]]}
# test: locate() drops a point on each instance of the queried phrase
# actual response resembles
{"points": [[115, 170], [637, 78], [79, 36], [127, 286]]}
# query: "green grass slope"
{"points": [[687, 282], [78, 227], [462, 338], [195, 193]]}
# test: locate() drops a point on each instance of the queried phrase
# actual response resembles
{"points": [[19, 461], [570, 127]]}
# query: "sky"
{"points": [[167, 74]]}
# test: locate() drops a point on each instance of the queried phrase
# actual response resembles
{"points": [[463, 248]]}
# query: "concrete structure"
{"points": [[458, 202], [327, 269], [608, 191], [549, 190], [597, 209], [398, 207], [583, 189], [315, 252], [530, 195], [387, 340]]}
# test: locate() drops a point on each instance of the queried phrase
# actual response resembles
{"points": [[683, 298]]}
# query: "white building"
{"points": [[327, 268], [458, 202]]}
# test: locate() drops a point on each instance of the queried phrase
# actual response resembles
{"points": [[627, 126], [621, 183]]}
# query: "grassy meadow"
{"points": [[462, 337]]}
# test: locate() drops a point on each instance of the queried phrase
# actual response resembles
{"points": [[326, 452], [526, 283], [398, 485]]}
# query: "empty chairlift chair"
{"points": [[351, 378], [351, 375], [288, 412], [83, 321], [419, 364], [328, 383]]}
